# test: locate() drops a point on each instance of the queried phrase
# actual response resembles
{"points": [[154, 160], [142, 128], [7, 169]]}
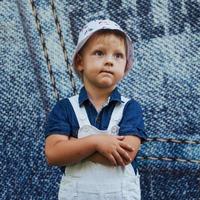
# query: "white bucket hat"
{"points": [[92, 27]]}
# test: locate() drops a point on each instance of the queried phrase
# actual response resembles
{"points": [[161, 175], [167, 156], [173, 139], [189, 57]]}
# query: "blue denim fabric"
{"points": [[165, 79]]}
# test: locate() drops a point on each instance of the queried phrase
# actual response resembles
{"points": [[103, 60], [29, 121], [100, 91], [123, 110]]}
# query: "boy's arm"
{"points": [[135, 142], [61, 150], [96, 157]]}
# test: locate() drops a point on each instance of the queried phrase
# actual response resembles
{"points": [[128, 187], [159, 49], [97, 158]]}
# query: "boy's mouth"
{"points": [[106, 71]]}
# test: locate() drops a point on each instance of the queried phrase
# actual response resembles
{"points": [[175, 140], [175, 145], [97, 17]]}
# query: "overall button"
{"points": [[115, 130], [86, 128]]}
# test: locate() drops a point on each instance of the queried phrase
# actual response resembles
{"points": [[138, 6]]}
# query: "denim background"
{"points": [[165, 80]]}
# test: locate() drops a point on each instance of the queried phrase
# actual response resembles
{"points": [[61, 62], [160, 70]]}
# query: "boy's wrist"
{"points": [[91, 139], [98, 158], [94, 141]]}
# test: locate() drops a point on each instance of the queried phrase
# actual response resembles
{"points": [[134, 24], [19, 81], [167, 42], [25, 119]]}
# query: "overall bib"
{"points": [[92, 181]]}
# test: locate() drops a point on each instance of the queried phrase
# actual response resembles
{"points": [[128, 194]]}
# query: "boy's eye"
{"points": [[98, 53], [119, 55]]}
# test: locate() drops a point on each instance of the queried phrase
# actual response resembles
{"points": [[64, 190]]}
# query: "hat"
{"points": [[92, 27]]}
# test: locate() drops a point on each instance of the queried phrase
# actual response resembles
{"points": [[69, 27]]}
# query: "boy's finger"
{"points": [[118, 158], [124, 154], [126, 146], [120, 137], [112, 159]]}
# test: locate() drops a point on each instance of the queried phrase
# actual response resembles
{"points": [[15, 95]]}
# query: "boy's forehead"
{"points": [[105, 40]]}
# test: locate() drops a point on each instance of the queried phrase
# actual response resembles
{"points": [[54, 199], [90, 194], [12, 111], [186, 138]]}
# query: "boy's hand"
{"points": [[113, 148]]}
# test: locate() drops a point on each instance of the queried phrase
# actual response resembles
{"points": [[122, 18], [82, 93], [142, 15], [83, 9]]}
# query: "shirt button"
{"points": [[97, 120]]}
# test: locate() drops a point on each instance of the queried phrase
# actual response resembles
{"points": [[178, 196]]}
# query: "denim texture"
{"points": [[165, 79]]}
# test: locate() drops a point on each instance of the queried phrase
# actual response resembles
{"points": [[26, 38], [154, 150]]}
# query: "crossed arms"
{"points": [[105, 149]]}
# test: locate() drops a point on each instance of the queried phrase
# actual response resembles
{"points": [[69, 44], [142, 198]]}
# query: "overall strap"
{"points": [[80, 112], [117, 113]]}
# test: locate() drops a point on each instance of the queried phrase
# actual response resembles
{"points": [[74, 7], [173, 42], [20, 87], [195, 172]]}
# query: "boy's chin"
{"points": [[107, 84]]}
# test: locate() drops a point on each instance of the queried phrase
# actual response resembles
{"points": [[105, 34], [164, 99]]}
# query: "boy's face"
{"points": [[102, 61]]}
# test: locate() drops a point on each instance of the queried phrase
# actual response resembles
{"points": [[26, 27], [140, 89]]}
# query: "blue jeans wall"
{"points": [[165, 79]]}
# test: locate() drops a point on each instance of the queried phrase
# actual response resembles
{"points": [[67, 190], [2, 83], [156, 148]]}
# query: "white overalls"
{"points": [[92, 181]]}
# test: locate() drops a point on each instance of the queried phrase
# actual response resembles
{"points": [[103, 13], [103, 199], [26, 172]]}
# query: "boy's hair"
{"points": [[102, 27]]}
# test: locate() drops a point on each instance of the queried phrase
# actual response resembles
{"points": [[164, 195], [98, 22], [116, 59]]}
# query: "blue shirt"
{"points": [[62, 119]]}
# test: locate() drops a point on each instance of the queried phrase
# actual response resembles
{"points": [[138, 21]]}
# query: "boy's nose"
{"points": [[109, 60]]}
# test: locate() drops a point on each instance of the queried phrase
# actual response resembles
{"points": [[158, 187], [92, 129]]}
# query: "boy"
{"points": [[96, 135]]}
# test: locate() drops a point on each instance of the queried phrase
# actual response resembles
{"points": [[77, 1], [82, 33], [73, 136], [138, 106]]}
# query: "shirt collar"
{"points": [[83, 96]]}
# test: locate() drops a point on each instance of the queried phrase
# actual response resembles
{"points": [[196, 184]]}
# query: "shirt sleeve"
{"points": [[132, 122], [57, 121]]}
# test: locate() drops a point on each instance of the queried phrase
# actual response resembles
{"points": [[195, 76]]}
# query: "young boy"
{"points": [[96, 135]]}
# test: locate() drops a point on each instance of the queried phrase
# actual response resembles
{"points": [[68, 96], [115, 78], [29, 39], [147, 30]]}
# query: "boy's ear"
{"points": [[79, 63]]}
